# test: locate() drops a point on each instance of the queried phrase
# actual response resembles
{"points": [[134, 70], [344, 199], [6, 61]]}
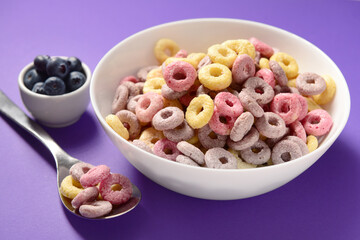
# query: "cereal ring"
{"points": [[120, 99], [287, 63], [116, 197], [154, 85], [279, 73], [130, 122], [241, 46], [271, 125], [150, 136], [222, 54], [143, 72], [179, 76], [114, 122], [287, 106], [154, 73], [267, 75], [189, 96], [250, 104], [130, 78], [302, 145], [192, 62], [220, 158], [298, 130], [170, 94], [182, 53], [241, 126], [87, 195], [285, 151], [215, 76], [199, 111], [131, 105], [143, 145], [240, 163], [133, 90], [328, 94], [197, 57], [165, 48], [228, 103], [291, 83], [250, 138], [209, 139], [95, 175], [221, 123], [79, 169], [310, 84], [317, 122], [259, 90], [148, 105], [68, 189], [264, 63], [258, 153], [312, 105], [95, 209], [204, 62], [191, 151], [168, 118], [183, 132], [243, 68], [166, 149], [312, 143], [186, 160], [262, 47]]}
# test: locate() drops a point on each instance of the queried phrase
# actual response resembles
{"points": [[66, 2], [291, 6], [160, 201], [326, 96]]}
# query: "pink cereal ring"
{"points": [[129, 79], [262, 47], [116, 197], [120, 99], [267, 75], [298, 130], [243, 68], [304, 107], [148, 105], [87, 195], [95, 209], [166, 149], [221, 123], [287, 106], [95, 175], [179, 75], [317, 122], [79, 169], [182, 53], [228, 103]]}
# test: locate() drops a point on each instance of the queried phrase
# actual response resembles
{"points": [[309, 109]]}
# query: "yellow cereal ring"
{"points": [[156, 72], [172, 103], [287, 63], [153, 85], [197, 57], [199, 111], [165, 48], [222, 54], [215, 76], [292, 83], [193, 140], [329, 93], [312, 105], [188, 60], [114, 122], [240, 163], [76, 183], [68, 189], [264, 63], [150, 136], [312, 143], [241, 46]]}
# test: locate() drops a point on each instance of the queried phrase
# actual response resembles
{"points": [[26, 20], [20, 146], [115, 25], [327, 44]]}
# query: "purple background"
{"points": [[322, 203]]}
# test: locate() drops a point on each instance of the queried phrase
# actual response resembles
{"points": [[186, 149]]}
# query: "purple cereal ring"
{"points": [[168, 118], [129, 79], [221, 123], [250, 138], [298, 130], [95, 209], [182, 53], [130, 122], [279, 73], [228, 103], [183, 132], [143, 72], [304, 107], [186, 160], [258, 89], [170, 94], [317, 122], [131, 105], [250, 104], [141, 144], [310, 84], [140, 86], [148, 105], [284, 151], [287, 106], [267, 75], [271, 125], [166, 149], [210, 139], [241, 126], [303, 147], [95, 175], [285, 89], [133, 90], [190, 95], [179, 75], [243, 68], [191, 151], [220, 158], [262, 47], [120, 99], [79, 169], [205, 61], [116, 197], [87, 195], [258, 153]]}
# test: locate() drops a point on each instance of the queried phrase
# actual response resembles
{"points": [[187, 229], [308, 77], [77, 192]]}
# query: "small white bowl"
{"points": [[197, 35], [56, 111]]}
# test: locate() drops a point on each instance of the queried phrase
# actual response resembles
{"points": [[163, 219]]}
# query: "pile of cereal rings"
{"points": [[242, 104]]}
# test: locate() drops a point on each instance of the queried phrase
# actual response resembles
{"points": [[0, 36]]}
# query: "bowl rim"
{"points": [[322, 146]]}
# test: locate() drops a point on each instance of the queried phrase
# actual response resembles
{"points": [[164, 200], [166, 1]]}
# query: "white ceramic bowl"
{"points": [[196, 36], [56, 111]]}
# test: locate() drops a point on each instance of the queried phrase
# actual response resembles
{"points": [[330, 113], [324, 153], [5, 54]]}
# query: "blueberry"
{"points": [[75, 80], [74, 64], [40, 63], [54, 86], [31, 77], [39, 88], [57, 67]]}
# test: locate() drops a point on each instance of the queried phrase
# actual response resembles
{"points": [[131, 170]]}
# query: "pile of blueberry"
{"points": [[55, 75]]}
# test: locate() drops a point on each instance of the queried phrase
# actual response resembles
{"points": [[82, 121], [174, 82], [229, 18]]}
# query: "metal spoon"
{"points": [[63, 160]]}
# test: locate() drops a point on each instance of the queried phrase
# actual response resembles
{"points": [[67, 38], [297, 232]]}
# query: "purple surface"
{"points": [[322, 203]]}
